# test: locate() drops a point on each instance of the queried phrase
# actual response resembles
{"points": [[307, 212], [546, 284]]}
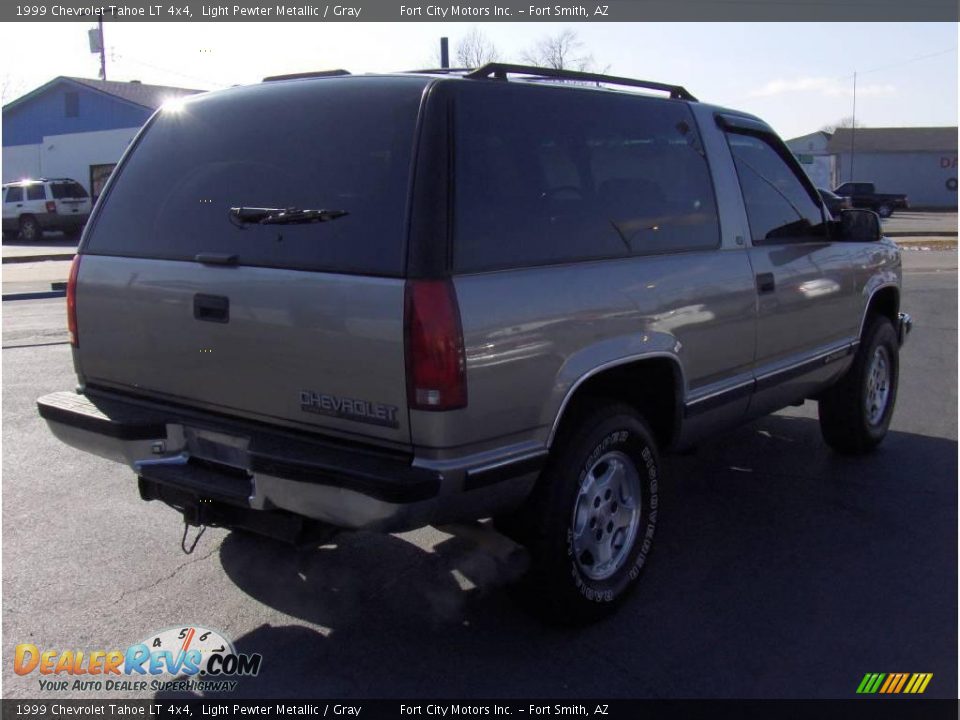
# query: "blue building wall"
{"points": [[45, 114]]}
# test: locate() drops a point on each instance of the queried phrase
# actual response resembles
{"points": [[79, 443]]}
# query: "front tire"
{"points": [[591, 520], [855, 413], [885, 211]]}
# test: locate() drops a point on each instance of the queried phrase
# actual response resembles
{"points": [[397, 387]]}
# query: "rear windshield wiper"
{"points": [[281, 216]]}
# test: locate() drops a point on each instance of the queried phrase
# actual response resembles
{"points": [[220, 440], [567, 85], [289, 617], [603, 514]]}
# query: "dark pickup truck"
{"points": [[865, 195]]}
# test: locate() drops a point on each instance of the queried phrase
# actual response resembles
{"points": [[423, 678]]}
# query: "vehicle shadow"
{"points": [[50, 238], [780, 570]]}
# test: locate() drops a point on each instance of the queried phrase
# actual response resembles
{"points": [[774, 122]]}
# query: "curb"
{"points": [[903, 233], [37, 258], [35, 295]]}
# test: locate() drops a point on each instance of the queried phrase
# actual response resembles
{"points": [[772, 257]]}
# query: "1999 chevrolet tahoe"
{"points": [[382, 302]]}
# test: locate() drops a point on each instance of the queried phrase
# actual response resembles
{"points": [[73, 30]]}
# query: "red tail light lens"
{"points": [[436, 364], [72, 301], [51, 206]]}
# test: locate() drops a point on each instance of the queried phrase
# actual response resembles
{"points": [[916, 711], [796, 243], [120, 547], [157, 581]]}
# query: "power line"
{"points": [[127, 58]]}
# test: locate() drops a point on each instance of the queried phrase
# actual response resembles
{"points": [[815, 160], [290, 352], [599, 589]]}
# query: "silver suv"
{"points": [[384, 302]]}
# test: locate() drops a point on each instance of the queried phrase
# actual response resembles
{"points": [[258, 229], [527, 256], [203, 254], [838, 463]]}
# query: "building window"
{"points": [[72, 104]]}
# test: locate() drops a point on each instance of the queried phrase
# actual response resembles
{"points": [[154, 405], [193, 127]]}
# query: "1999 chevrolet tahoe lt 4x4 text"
{"points": [[384, 302]]}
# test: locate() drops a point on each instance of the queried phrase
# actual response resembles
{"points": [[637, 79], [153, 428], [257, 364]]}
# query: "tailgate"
{"points": [[310, 349], [70, 197], [182, 295]]}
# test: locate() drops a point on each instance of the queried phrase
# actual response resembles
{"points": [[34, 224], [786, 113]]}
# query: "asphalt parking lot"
{"points": [[780, 569]]}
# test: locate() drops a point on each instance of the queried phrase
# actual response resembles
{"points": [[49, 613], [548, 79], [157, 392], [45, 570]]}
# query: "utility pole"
{"points": [[96, 45], [103, 51], [853, 125]]}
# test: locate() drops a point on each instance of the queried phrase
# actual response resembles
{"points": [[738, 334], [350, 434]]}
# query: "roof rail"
{"points": [[499, 71], [316, 74], [439, 71]]}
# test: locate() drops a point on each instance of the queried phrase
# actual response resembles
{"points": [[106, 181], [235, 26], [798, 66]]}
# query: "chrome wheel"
{"points": [[878, 386], [606, 515]]}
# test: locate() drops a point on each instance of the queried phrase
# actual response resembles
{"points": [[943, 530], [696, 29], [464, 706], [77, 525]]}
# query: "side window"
{"points": [[36, 192], [15, 194], [547, 175], [779, 208]]}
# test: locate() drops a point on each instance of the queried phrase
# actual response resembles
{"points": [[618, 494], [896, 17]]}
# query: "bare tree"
{"points": [[844, 122], [476, 49], [10, 89], [563, 51]]}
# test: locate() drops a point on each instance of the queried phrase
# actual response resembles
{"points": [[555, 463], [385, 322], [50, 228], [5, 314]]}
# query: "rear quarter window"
{"points": [[334, 144], [63, 190], [547, 175]]}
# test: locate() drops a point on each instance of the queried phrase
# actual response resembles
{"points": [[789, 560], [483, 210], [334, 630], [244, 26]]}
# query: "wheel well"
{"points": [[884, 302], [652, 386]]}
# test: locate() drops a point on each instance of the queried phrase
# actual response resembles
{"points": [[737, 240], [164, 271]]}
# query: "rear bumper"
{"points": [[235, 464], [62, 221]]}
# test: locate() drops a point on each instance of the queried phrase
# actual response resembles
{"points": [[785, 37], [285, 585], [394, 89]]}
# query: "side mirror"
{"points": [[860, 226]]}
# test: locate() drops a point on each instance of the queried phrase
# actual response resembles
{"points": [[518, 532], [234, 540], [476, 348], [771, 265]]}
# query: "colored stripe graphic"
{"points": [[894, 683], [892, 678]]}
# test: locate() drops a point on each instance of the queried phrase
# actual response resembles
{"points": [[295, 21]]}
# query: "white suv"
{"points": [[32, 206]]}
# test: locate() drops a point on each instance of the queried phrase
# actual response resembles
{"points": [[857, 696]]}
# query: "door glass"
{"points": [[779, 207], [15, 194], [36, 192]]}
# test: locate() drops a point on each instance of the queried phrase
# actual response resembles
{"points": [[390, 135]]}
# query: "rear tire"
{"points": [[589, 524], [855, 413], [30, 230]]}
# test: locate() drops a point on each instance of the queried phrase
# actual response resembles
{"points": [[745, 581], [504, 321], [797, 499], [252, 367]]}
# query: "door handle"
{"points": [[212, 308], [765, 283]]}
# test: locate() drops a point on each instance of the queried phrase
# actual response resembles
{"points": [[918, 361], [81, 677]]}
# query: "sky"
{"points": [[796, 76]]}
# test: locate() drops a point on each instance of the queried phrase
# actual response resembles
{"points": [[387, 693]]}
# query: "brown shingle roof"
{"points": [[907, 139]]}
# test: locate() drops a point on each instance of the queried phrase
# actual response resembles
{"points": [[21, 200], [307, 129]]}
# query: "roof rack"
{"points": [[438, 71], [499, 71], [316, 74]]}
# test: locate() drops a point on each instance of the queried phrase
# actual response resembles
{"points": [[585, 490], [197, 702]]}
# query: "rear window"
{"points": [[64, 190], [548, 175], [334, 144]]}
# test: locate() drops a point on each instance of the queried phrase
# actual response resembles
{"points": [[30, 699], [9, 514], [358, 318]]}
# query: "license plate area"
{"points": [[218, 448]]}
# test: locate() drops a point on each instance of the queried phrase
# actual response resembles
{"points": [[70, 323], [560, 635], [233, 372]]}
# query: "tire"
{"points": [[884, 210], [30, 230], [855, 413], [597, 496]]}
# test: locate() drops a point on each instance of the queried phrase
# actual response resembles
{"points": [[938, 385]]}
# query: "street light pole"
{"points": [[853, 125]]}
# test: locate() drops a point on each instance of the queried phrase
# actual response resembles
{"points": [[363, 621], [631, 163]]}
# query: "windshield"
{"points": [[341, 144]]}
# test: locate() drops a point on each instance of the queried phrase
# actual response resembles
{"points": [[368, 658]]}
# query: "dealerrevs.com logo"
{"points": [[189, 658]]}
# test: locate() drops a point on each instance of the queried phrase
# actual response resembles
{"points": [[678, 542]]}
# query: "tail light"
{"points": [[51, 206], [436, 364], [72, 301]]}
